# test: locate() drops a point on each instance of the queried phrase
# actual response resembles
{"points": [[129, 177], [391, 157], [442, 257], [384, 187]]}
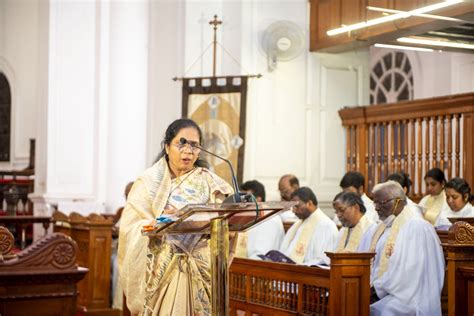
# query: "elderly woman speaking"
{"points": [[169, 275]]}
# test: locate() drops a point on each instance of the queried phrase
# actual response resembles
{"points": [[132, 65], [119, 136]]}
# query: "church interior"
{"points": [[312, 90]]}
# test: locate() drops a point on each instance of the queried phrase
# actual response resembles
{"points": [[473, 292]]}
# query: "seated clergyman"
{"points": [[312, 235], [408, 270], [350, 211], [263, 237]]}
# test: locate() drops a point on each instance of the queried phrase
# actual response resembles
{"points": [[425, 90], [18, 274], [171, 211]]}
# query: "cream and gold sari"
{"points": [[168, 275]]}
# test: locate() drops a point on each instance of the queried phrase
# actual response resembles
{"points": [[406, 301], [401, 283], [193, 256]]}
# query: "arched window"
{"points": [[5, 118], [391, 79]]}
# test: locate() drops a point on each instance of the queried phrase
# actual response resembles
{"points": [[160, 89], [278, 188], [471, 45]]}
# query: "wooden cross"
{"points": [[214, 23]]}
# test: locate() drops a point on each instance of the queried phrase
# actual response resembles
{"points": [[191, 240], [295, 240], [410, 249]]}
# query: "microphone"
{"points": [[235, 198]]}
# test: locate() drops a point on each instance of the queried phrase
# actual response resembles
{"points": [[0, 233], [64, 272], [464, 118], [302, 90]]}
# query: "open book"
{"points": [[276, 256]]}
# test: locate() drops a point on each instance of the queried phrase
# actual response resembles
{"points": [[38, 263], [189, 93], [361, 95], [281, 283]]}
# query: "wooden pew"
{"points": [[268, 288], [460, 258], [40, 280], [93, 235]]}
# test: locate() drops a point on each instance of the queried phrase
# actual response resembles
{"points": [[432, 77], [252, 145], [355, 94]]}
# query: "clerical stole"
{"points": [[241, 249], [355, 235], [307, 226], [400, 220], [433, 206]]}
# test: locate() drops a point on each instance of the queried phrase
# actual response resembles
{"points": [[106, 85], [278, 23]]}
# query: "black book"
{"points": [[276, 256]]}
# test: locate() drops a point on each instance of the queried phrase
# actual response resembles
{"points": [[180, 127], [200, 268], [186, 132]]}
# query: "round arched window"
{"points": [[391, 79]]}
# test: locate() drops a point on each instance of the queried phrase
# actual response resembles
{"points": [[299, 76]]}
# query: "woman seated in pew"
{"points": [[435, 201], [458, 196], [169, 275], [350, 211], [404, 180]]}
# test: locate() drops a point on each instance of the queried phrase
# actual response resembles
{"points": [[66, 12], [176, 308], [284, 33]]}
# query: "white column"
{"points": [[71, 103], [67, 103], [128, 101], [166, 62], [93, 116]]}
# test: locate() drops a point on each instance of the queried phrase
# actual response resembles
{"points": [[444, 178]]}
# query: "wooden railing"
{"points": [[413, 137], [268, 288]]}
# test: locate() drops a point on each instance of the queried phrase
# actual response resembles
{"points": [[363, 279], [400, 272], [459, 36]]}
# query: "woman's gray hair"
{"points": [[393, 189]]}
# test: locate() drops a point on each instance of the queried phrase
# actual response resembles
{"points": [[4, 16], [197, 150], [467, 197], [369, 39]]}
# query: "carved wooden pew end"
{"points": [[460, 278], [40, 280]]}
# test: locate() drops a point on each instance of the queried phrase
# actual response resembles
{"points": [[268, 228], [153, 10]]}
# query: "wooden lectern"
{"points": [[216, 221]]}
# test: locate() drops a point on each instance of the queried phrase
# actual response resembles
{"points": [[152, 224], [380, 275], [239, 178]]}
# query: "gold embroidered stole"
{"points": [[433, 207], [355, 236], [389, 246], [299, 251], [241, 248]]}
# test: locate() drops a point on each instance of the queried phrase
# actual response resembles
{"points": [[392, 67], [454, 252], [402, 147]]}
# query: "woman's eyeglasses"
{"points": [[189, 145]]}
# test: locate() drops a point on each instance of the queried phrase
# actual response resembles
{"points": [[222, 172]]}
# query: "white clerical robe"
{"points": [[288, 216], [370, 208], [432, 205], [349, 238], [414, 276], [323, 238], [264, 237], [466, 211], [418, 210]]}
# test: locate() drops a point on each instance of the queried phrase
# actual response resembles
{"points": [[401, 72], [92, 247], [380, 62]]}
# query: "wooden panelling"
{"points": [[460, 259], [330, 14], [268, 288], [93, 235]]}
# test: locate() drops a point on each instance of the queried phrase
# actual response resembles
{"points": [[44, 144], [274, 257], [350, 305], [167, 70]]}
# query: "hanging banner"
{"points": [[218, 106]]}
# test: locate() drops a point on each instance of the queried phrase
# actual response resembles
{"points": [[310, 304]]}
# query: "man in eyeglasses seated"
{"points": [[354, 181], [351, 212], [288, 184], [265, 236], [408, 270], [312, 235]]}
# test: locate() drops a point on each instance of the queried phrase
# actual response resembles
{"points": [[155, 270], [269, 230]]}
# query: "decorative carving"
{"points": [[80, 220], [77, 218], [7, 241], [83, 246], [96, 218], [63, 254], [51, 253], [59, 217], [461, 233]]}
